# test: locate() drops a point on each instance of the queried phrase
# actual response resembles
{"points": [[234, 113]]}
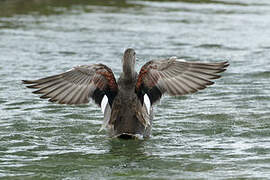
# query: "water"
{"points": [[222, 132]]}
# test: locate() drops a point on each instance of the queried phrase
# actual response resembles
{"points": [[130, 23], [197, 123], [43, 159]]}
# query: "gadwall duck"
{"points": [[127, 103]]}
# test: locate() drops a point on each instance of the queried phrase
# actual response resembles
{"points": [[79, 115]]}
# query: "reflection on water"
{"points": [[221, 132]]}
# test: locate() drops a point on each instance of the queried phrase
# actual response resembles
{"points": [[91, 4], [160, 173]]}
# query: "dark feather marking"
{"points": [[154, 94], [98, 96]]}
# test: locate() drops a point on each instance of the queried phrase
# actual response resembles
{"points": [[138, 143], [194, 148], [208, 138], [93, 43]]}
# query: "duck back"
{"points": [[129, 118]]}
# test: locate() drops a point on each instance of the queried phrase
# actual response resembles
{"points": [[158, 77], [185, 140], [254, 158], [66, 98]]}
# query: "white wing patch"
{"points": [[107, 117], [147, 103], [106, 109], [104, 102]]}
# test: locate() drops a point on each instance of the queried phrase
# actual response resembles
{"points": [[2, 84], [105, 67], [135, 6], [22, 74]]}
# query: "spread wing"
{"points": [[176, 77], [77, 85]]}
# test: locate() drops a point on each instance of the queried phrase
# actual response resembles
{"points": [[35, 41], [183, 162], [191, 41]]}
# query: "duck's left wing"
{"points": [[176, 77], [77, 85]]}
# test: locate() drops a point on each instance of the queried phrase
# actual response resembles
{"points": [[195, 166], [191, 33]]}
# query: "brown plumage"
{"points": [[77, 85], [176, 77], [127, 113]]}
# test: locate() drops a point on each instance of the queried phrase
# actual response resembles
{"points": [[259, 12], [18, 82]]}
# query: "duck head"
{"points": [[128, 62]]}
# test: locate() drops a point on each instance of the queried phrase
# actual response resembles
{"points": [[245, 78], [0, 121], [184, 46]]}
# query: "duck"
{"points": [[127, 103]]}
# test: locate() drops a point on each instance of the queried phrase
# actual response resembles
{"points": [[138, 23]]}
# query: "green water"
{"points": [[222, 132]]}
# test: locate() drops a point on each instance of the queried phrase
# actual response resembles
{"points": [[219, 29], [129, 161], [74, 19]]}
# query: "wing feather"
{"points": [[176, 77], [77, 85]]}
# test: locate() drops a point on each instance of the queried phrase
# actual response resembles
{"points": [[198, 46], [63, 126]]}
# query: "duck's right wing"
{"points": [[176, 77], [77, 85]]}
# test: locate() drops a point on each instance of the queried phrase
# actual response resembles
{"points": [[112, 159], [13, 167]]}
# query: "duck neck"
{"points": [[128, 71]]}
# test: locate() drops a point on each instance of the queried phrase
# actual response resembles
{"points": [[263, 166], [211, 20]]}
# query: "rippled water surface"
{"points": [[221, 132]]}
